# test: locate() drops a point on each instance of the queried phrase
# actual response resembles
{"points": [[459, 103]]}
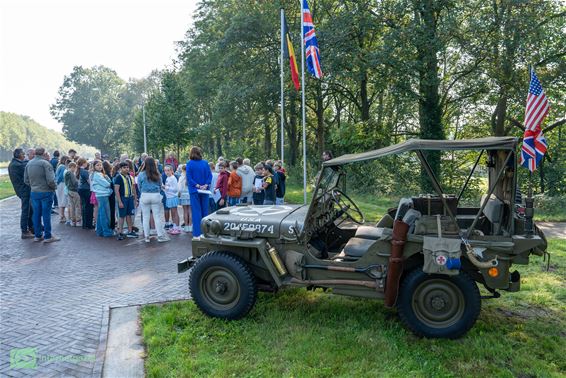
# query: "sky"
{"points": [[42, 40]]}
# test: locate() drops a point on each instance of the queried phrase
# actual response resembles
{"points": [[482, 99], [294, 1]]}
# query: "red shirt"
{"points": [[222, 184]]}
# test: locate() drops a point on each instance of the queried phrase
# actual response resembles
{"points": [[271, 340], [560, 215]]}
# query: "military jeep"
{"points": [[425, 257]]}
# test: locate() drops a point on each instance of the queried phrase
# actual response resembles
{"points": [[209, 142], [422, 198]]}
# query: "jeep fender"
{"points": [[241, 248]]}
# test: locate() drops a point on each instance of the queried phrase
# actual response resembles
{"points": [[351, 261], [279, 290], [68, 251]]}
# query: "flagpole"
{"points": [[282, 89], [303, 106]]}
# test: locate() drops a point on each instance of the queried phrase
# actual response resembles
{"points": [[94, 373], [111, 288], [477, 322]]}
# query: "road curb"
{"points": [[106, 329], [7, 198], [102, 343]]}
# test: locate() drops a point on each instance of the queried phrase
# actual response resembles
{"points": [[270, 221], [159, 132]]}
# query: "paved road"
{"points": [[53, 297]]}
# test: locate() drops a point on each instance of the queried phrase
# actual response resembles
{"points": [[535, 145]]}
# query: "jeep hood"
{"points": [[269, 221]]}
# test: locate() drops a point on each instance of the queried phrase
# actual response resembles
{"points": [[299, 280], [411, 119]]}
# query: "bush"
{"points": [[550, 208]]}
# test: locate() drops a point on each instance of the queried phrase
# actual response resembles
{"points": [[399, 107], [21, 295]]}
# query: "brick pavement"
{"points": [[54, 297]]}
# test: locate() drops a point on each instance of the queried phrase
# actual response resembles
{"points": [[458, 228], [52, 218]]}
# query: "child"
{"points": [[234, 185], [101, 187], [268, 185], [93, 201], [171, 189], [259, 194], [222, 184], [280, 190], [166, 210], [126, 198], [74, 200], [215, 196], [185, 199]]}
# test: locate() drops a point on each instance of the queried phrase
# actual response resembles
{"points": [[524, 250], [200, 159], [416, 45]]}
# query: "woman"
{"points": [[149, 184], [84, 193], [60, 193], [172, 161], [198, 178]]}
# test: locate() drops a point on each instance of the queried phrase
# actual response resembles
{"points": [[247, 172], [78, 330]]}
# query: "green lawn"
{"points": [[296, 333], [374, 208], [6, 189]]}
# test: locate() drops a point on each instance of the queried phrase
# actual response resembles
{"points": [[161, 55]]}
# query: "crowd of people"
{"points": [[105, 194]]}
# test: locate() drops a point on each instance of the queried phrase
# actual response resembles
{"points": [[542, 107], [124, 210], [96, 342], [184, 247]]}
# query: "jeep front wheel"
{"points": [[222, 285], [438, 306]]}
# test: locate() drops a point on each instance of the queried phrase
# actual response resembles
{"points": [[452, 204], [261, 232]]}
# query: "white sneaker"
{"points": [[147, 240], [162, 239], [190, 228]]}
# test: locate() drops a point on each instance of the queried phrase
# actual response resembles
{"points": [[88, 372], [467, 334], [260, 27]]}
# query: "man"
{"points": [[248, 176], [31, 153], [97, 156], [40, 177], [16, 170], [72, 155], [54, 162]]}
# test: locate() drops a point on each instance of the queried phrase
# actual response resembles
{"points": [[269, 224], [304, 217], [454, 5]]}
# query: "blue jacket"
{"points": [[198, 172], [101, 185], [60, 174], [146, 186]]}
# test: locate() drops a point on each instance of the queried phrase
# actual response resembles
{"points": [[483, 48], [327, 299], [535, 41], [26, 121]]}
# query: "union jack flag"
{"points": [[311, 44], [534, 143]]}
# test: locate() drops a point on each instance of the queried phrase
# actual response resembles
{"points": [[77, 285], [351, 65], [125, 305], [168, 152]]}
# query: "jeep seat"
{"points": [[357, 247], [369, 232]]}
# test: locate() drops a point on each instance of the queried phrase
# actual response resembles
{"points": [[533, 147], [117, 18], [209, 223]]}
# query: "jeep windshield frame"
{"points": [[505, 144]]}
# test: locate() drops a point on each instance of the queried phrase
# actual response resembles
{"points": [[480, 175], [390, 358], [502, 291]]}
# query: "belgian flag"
{"points": [[290, 54]]}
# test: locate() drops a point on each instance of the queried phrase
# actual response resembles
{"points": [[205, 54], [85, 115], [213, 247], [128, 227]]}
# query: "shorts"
{"points": [[129, 207], [185, 199], [93, 200], [172, 203]]}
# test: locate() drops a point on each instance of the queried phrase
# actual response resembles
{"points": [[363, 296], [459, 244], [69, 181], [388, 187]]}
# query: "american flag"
{"points": [[534, 143], [311, 44]]}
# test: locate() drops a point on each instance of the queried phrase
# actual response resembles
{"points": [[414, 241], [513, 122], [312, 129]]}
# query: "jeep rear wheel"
{"points": [[438, 306], [222, 285]]}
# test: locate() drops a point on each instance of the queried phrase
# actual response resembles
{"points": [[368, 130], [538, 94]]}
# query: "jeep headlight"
{"points": [[215, 227], [204, 226]]}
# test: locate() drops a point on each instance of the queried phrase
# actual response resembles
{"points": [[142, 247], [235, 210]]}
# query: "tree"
{"points": [[92, 107]]}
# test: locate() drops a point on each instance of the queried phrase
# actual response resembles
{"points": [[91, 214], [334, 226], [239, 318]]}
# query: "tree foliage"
{"points": [[23, 132], [393, 69]]}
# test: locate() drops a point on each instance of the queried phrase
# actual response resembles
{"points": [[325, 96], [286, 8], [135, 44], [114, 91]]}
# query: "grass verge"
{"points": [[313, 334], [6, 188]]}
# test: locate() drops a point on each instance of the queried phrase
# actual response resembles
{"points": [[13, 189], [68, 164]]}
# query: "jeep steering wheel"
{"points": [[347, 206]]}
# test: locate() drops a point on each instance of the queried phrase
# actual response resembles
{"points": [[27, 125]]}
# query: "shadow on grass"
{"points": [[300, 333]]}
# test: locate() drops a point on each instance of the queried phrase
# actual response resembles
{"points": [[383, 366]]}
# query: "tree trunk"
{"points": [[541, 173], [320, 129], [292, 130], [278, 140], [364, 101], [267, 141], [219, 145], [429, 103]]}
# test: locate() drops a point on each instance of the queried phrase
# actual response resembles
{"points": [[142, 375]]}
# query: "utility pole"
{"points": [[144, 133]]}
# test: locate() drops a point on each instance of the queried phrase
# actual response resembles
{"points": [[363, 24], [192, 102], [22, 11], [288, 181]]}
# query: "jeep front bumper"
{"points": [[183, 266]]}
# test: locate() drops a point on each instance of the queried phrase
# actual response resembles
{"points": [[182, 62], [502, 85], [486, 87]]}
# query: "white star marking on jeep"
{"points": [[261, 211]]}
